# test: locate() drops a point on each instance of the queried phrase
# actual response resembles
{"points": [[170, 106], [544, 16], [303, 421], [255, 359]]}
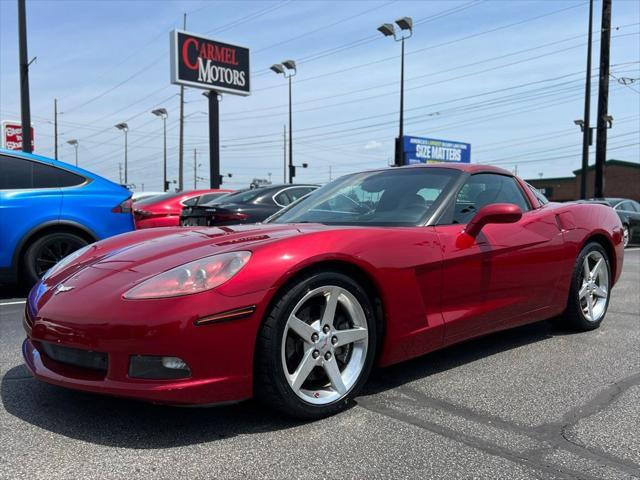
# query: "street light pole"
{"points": [[388, 30], [125, 128], [290, 71], [162, 113], [74, 144], [25, 105]]}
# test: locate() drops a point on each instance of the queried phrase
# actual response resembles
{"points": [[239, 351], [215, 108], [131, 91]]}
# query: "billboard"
{"points": [[206, 63], [12, 135], [432, 150]]}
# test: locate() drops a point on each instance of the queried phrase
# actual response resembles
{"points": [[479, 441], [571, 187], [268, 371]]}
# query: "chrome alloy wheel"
{"points": [[625, 236], [594, 291], [324, 345]]}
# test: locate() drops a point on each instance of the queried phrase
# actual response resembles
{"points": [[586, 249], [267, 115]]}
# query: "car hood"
{"points": [[148, 252]]}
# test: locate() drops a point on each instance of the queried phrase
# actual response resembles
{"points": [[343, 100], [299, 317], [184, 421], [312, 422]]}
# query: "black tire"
{"points": [[46, 251], [271, 386], [574, 317]]}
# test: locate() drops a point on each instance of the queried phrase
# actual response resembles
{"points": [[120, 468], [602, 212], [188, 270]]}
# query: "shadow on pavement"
{"points": [[129, 424]]}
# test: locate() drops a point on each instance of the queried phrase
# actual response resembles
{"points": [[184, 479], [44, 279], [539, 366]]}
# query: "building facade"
{"points": [[621, 179]]}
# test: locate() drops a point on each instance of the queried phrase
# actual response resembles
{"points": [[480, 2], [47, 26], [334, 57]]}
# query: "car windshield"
{"points": [[394, 197], [158, 198], [241, 196]]}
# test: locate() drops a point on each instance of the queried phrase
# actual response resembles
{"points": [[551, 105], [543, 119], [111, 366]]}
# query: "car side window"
{"points": [[635, 206], [484, 189], [17, 174], [190, 202], [283, 198], [625, 206], [296, 193]]}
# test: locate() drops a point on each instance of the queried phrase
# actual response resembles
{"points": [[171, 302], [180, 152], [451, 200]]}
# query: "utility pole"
{"points": [[603, 99], [586, 133], [25, 106], [284, 151], [195, 168], [55, 131], [291, 169], [181, 147], [120, 172]]}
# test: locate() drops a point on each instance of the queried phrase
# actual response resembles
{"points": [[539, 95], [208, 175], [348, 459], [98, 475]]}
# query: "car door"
{"points": [[630, 211], [507, 275], [29, 197]]}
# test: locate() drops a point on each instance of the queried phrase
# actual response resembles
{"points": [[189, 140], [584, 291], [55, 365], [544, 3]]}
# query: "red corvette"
{"points": [[164, 210], [372, 269]]}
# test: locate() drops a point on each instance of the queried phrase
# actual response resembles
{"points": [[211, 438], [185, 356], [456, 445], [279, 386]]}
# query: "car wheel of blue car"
{"points": [[48, 250]]}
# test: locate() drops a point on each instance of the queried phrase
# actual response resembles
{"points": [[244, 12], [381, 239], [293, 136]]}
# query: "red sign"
{"points": [[12, 136]]}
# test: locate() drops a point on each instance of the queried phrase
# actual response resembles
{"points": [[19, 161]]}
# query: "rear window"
{"points": [[19, 173], [158, 198]]}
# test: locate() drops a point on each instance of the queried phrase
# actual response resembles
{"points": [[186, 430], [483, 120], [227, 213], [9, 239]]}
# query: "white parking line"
{"points": [[19, 302]]}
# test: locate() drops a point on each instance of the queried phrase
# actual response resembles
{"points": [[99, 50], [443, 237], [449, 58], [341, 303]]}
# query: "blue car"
{"points": [[49, 209]]}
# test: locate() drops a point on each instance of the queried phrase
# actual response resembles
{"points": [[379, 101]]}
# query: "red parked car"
{"points": [[164, 210], [371, 269]]}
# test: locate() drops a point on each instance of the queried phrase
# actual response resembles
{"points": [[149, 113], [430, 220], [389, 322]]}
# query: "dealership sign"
{"points": [[431, 150], [12, 135], [202, 62]]}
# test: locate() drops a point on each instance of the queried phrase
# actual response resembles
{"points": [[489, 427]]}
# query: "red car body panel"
{"points": [[166, 213], [433, 289]]}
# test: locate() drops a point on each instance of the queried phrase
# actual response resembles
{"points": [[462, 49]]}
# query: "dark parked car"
{"points": [[629, 213], [245, 206]]}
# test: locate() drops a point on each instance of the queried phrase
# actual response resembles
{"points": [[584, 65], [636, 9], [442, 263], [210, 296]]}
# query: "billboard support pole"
{"points": [[25, 106], [214, 139]]}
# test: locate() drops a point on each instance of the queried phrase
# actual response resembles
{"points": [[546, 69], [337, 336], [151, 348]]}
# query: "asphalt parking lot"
{"points": [[533, 402]]}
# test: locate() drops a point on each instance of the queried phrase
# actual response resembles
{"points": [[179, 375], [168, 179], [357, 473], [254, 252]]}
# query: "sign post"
{"points": [[215, 66], [12, 135], [432, 150]]}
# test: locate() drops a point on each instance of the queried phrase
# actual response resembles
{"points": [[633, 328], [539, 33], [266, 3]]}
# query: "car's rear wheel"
{"points": [[48, 250], [316, 346], [625, 235], [590, 289]]}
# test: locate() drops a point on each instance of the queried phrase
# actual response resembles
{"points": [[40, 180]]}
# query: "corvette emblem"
{"points": [[61, 289]]}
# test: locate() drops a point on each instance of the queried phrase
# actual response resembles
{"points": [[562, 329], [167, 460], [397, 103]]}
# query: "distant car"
{"points": [[164, 210], [49, 209], [247, 206], [629, 213], [137, 196]]}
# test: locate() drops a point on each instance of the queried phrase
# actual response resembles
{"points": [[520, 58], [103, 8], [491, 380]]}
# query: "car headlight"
{"points": [[194, 277], [66, 261]]}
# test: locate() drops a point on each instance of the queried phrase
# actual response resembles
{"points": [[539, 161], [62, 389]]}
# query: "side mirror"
{"points": [[494, 213]]}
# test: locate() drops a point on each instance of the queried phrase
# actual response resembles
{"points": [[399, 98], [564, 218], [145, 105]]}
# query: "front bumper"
{"points": [[219, 354]]}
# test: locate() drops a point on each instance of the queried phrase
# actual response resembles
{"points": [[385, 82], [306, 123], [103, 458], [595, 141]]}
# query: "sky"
{"points": [[506, 76]]}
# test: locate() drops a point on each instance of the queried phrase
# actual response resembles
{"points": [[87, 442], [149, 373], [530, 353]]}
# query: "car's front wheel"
{"points": [[625, 235], [48, 250], [316, 346]]}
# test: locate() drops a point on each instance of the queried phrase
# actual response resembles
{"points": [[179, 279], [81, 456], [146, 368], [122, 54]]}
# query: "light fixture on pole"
{"points": [[74, 144], [288, 69], [125, 128], [163, 114], [388, 30]]}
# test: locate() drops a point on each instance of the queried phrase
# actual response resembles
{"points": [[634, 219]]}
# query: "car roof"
{"points": [[59, 164]]}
